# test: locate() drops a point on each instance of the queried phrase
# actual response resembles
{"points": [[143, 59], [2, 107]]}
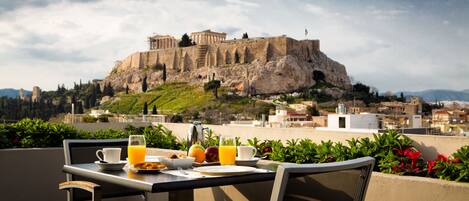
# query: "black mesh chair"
{"points": [[338, 181], [84, 151]]}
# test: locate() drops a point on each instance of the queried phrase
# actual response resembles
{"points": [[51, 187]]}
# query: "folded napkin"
{"points": [[189, 173]]}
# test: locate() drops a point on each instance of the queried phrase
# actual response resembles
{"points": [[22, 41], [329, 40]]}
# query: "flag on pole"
{"points": [[306, 32]]}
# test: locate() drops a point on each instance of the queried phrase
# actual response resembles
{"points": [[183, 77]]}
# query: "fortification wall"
{"points": [[303, 50], [218, 54]]}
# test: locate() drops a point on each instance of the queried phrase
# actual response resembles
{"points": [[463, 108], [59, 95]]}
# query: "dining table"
{"points": [[180, 184]]}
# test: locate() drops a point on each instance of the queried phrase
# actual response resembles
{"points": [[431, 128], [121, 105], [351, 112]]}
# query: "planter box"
{"points": [[383, 187]]}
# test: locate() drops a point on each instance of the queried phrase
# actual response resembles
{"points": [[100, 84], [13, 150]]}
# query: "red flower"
{"points": [[400, 152], [441, 157], [412, 155], [430, 165], [394, 168]]}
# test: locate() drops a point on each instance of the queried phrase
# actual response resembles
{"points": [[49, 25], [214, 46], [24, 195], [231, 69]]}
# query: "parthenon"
{"points": [[200, 38], [207, 37]]}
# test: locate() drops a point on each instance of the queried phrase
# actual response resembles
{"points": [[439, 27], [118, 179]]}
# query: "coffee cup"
{"points": [[246, 152], [110, 155]]}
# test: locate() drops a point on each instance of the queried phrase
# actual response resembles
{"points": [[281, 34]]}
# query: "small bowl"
{"points": [[178, 163]]}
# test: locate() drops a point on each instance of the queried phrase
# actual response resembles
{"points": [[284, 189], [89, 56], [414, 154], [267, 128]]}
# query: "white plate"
{"points": [[224, 170], [111, 166], [252, 159]]}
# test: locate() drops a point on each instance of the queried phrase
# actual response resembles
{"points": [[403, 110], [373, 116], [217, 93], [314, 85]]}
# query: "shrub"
{"points": [[37, 133], [89, 119], [103, 118], [4, 139], [455, 167], [160, 137], [110, 134]]}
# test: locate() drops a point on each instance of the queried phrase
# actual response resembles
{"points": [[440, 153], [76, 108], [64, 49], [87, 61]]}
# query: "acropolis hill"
{"points": [[263, 65]]}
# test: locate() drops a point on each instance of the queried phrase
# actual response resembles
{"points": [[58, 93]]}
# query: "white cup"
{"points": [[111, 155], [246, 152]]}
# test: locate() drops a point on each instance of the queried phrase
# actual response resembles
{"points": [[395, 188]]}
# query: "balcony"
{"points": [[34, 173]]}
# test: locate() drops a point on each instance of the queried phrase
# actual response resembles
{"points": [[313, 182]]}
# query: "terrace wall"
{"points": [[429, 145]]}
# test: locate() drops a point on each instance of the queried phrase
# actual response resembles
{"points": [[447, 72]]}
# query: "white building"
{"points": [[354, 121]]}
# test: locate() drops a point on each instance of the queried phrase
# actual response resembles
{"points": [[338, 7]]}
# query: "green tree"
{"points": [[186, 41], [154, 111], [145, 108], [313, 111], [245, 35], [213, 85], [144, 84], [164, 73]]}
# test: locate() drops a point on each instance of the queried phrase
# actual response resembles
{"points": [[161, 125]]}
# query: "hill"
{"points": [[186, 99], [441, 95], [12, 93]]}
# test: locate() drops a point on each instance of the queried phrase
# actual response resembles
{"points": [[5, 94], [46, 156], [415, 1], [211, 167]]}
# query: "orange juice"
{"points": [[136, 154], [227, 155]]}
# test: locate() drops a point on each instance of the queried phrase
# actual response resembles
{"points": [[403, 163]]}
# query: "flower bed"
{"points": [[394, 154]]}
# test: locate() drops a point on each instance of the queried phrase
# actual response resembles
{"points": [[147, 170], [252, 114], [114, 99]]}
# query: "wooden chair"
{"points": [[83, 151], [347, 180]]}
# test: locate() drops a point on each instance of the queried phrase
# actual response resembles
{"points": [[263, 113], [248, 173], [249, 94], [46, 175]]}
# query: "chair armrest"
{"points": [[85, 185]]}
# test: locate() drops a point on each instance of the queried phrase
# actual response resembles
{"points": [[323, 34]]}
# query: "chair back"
{"points": [[338, 181], [84, 151]]}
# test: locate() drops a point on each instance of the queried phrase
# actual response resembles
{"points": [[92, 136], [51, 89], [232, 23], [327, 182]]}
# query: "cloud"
{"points": [[315, 9], [392, 45]]}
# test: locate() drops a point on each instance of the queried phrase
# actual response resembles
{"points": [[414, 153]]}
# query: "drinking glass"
{"points": [[227, 150], [136, 149]]}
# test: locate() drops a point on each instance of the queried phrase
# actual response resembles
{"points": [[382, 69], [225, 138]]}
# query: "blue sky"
{"points": [[391, 45]]}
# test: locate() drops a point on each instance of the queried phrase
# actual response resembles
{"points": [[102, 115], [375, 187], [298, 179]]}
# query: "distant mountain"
{"points": [[440, 94], [12, 93]]}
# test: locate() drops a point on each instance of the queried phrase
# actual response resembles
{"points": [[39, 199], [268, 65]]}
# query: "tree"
{"points": [[164, 73], [213, 85], [145, 108], [144, 84], [108, 90], [154, 111], [313, 111], [79, 107], [186, 41], [126, 89], [245, 35]]}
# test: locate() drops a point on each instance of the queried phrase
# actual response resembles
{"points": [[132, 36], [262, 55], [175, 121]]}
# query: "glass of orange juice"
{"points": [[227, 150], [136, 150]]}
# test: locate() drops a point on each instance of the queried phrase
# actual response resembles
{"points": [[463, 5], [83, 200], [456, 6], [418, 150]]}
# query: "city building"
{"points": [[36, 94], [354, 121]]}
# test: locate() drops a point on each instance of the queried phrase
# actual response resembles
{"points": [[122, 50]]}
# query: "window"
{"points": [[341, 122]]}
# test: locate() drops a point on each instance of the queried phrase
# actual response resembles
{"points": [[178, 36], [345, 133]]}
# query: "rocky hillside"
{"points": [[280, 75]]}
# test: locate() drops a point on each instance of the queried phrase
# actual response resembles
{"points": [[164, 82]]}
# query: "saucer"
{"points": [[247, 162], [111, 166]]}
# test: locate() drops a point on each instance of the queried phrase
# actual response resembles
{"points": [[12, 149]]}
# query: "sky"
{"points": [[390, 45]]}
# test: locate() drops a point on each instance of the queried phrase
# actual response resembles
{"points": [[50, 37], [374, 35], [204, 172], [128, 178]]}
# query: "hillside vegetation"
{"points": [[184, 98]]}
